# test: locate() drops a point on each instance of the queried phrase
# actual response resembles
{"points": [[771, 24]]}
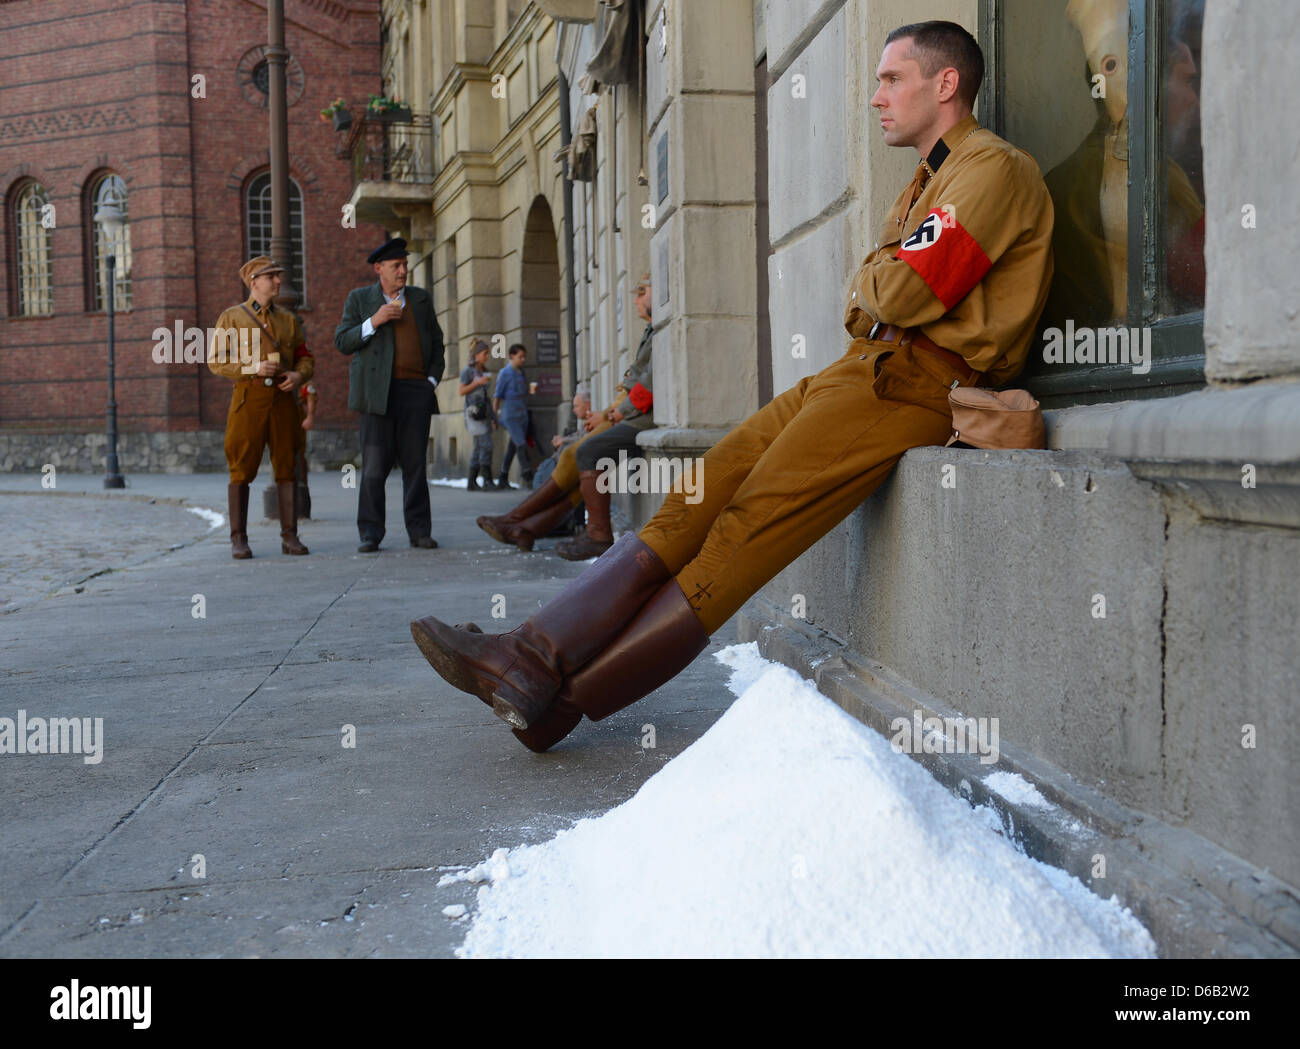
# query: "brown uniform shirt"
{"points": [[284, 325], [969, 262]]}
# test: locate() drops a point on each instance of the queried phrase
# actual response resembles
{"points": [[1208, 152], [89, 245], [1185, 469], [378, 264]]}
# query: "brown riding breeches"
{"points": [[565, 473], [794, 469], [258, 414]]}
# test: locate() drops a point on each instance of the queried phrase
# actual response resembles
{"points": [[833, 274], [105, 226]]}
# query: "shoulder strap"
{"points": [[258, 321]]}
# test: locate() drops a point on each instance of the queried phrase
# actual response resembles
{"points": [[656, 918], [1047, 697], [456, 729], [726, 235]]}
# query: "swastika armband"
{"points": [[641, 398], [945, 256]]}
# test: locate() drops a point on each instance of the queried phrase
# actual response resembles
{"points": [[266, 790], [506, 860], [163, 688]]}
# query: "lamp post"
{"points": [[110, 219]]}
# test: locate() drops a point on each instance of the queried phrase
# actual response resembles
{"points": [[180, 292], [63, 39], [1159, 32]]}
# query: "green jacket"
{"points": [[371, 370]]}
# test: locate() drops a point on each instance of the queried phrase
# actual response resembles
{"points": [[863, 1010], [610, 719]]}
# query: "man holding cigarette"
{"points": [[263, 405], [393, 338]]}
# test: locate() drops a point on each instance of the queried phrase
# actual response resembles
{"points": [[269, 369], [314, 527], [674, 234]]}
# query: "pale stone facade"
{"points": [[483, 226], [765, 183]]}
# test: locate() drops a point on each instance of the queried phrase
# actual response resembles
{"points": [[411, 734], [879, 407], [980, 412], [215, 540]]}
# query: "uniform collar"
{"points": [[401, 295], [957, 134], [258, 308]]}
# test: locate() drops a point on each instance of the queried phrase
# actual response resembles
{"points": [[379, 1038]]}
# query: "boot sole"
{"points": [[447, 663], [494, 532]]}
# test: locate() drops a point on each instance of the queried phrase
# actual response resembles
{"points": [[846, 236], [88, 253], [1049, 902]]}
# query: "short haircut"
{"points": [[584, 395], [518, 347], [937, 45]]}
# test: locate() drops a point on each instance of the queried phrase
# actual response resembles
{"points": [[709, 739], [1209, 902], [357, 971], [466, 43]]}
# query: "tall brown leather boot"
{"points": [[539, 525], [237, 505], [661, 641], [289, 543], [520, 672], [560, 718], [599, 535], [539, 500]]}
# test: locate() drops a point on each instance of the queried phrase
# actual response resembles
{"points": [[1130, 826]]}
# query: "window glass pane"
{"points": [[1183, 190], [34, 228], [1065, 93], [259, 227], [111, 190]]}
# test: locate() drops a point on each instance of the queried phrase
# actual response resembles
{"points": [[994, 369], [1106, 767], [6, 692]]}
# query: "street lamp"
{"points": [[111, 219]]}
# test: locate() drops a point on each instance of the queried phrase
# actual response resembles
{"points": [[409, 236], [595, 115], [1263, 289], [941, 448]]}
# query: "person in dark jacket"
{"points": [[393, 337]]}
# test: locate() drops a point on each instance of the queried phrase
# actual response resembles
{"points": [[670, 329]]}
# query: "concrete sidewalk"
{"points": [[223, 735]]}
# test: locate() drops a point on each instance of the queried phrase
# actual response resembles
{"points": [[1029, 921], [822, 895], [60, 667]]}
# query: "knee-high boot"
{"points": [[519, 673], [547, 495], [289, 543], [661, 641], [237, 504]]}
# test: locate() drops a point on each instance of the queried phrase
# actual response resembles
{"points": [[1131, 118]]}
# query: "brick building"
{"points": [[160, 106]]}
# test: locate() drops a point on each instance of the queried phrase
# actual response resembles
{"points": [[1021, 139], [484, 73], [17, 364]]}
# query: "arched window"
{"points": [[32, 221], [259, 227], [106, 192]]}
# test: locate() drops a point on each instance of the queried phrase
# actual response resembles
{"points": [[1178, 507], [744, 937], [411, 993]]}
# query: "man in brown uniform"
{"points": [[263, 405], [949, 298]]}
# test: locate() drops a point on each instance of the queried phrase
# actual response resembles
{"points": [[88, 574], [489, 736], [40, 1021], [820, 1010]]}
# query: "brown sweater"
{"points": [[408, 361]]}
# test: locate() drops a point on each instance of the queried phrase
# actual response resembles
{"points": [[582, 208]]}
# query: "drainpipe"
{"points": [[570, 296]]}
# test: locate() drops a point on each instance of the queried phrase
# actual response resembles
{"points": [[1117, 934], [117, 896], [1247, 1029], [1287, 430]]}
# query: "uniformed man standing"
{"points": [[263, 405], [949, 298]]}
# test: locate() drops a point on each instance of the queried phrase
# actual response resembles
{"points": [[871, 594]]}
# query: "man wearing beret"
{"points": [[393, 337], [252, 344]]}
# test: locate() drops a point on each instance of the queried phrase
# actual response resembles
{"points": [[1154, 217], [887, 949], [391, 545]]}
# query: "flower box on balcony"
{"points": [[393, 115], [342, 120]]}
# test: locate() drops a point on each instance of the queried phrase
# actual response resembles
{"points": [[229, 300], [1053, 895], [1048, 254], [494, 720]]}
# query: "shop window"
{"points": [[1105, 94]]}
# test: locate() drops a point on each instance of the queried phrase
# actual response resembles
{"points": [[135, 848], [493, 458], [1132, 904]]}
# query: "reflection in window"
{"points": [[111, 189], [1183, 206], [259, 227], [33, 224], [1065, 93]]}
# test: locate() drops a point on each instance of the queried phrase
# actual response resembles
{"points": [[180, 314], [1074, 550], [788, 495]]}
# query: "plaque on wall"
{"points": [[550, 386], [548, 347]]}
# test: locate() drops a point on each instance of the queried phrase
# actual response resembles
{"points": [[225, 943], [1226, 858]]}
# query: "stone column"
{"points": [[700, 109]]}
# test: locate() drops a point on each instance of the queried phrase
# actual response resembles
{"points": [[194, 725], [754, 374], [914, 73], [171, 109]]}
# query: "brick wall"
{"points": [[90, 85]]}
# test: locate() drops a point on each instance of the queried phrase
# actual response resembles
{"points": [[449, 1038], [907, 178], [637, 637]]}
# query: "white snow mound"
{"points": [[788, 830]]}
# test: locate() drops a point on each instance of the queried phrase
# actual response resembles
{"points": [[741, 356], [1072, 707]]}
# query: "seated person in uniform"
{"points": [[949, 298]]}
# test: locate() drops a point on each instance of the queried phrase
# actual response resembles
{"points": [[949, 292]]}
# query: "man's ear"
{"points": [[948, 81]]}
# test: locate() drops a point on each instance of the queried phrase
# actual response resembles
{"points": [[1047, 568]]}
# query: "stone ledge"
{"points": [[1197, 899], [1259, 423], [679, 440]]}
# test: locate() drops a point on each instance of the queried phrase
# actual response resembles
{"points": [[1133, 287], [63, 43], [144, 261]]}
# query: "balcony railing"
{"points": [[384, 149]]}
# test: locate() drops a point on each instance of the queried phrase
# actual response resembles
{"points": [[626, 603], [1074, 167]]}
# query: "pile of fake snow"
{"points": [[787, 830]]}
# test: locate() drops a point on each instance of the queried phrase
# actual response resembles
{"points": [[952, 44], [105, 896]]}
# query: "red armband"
{"points": [[945, 256], [641, 398], [302, 351]]}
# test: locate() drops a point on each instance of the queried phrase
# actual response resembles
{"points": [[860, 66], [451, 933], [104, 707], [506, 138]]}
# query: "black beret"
{"points": [[391, 249]]}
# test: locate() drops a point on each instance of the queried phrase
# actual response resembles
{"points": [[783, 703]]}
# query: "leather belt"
{"points": [[915, 337]]}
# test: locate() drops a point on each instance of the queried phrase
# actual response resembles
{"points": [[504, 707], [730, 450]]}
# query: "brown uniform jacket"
{"points": [[971, 261], [284, 325]]}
